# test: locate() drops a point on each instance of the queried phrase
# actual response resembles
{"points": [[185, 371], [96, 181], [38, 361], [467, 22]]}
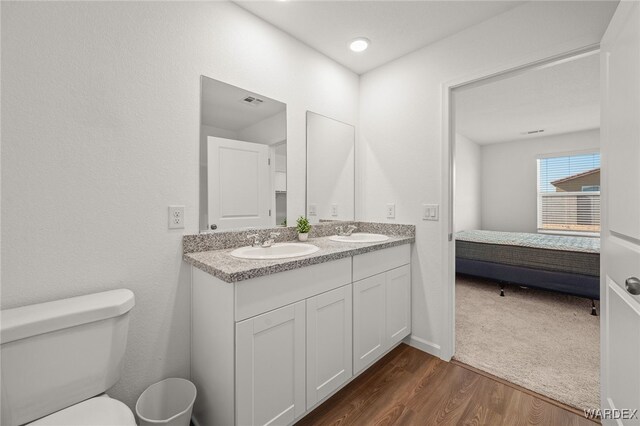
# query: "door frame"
{"points": [[525, 64]]}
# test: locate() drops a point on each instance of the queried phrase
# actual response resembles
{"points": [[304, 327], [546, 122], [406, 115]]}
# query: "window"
{"points": [[591, 188], [569, 194]]}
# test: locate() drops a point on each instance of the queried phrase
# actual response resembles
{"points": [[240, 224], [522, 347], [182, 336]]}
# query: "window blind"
{"points": [[569, 193]]}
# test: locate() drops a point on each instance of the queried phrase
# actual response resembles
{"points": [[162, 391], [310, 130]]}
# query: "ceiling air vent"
{"points": [[252, 100], [533, 132]]}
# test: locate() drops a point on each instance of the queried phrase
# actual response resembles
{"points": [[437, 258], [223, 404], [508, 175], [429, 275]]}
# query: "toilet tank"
{"points": [[59, 353]]}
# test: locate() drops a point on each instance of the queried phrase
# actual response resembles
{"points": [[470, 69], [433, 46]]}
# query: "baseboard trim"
{"points": [[424, 345]]}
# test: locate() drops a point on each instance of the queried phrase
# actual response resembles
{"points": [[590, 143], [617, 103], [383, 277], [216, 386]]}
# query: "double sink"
{"points": [[287, 250]]}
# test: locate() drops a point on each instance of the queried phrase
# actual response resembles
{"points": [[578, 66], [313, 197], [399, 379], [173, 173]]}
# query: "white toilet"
{"points": [[59, 357]]}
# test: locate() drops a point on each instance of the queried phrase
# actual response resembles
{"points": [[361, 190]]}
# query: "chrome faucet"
{"points": [[256, 240], [272, 239], [342, 233]]}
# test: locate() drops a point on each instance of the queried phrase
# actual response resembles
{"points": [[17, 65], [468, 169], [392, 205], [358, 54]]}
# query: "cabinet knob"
{"points": [[632, 285]]}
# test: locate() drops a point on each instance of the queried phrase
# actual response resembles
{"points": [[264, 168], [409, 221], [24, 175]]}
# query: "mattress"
{"points": [[555, 253]]}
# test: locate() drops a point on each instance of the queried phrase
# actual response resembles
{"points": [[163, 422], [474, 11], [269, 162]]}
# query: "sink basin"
{"points": [[360, 237], [276, 251]]}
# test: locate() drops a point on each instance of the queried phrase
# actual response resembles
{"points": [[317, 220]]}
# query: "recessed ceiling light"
{"points": [[359, 45]]}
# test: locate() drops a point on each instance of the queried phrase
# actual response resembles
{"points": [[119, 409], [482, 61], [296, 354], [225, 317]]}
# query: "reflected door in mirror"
{"points": [[239, 184]]}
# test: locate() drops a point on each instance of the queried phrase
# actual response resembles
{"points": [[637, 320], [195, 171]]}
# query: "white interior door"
{"points": [[239, 184], [620, 288]]}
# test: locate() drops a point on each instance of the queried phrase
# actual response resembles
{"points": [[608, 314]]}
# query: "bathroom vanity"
{"points": [[272, 339], [279, 327]]}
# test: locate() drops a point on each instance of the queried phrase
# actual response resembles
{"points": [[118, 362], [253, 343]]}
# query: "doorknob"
{"points": [[633, 285]]}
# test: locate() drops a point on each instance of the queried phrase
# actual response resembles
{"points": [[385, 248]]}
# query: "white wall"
{"points": [[400, 129], [509, 177], [100, 104], [217, 132], [269, 131], [281, 157], [468, 190]]}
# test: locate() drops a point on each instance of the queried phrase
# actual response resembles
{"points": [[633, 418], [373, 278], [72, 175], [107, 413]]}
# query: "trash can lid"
{"points": [[98, 411]]}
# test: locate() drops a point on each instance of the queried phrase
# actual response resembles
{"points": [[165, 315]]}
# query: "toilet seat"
{"points": [[98, 411]]}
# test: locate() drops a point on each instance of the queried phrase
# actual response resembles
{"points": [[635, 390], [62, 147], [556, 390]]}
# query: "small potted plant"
{"points": [[303, 228]]}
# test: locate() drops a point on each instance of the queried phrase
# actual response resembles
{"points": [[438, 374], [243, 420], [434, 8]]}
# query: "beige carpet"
{"points": [[546, 342]]}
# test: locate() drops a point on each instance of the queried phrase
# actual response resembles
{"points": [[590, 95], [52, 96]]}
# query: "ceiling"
{"points": [[395, 28], [562, 98], [222, 106]]}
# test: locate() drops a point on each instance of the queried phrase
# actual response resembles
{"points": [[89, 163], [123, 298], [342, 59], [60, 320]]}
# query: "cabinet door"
{"points": [[270, 367], [398, 300], [368, 321], [329, 343]]}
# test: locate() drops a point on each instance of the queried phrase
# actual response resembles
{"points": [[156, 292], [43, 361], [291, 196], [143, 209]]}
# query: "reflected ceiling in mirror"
{"points": [[330, 169], [243, 158]]}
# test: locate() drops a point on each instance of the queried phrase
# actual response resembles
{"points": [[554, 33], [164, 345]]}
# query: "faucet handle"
{"points": [[255, 237], [271, 240], [350, 229], [339, 230]]}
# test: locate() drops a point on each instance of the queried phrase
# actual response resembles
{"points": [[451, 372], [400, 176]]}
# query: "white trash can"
{"points": [[168, 402]]}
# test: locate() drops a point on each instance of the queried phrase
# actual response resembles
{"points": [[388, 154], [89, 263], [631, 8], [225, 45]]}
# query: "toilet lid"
{"points": [[98, 411]]}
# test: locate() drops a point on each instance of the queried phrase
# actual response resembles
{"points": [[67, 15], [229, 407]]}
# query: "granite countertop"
{"points": [[222, 265]]}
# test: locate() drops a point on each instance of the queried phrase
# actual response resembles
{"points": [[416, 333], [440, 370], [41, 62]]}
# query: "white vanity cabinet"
{"points": [[381, 303], [368, 320], [276, 352], [329, 343], [398, 304], [270, 367], [268, 350]]}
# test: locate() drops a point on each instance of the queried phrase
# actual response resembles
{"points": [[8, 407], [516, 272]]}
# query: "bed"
{"points": [[565, 264]]}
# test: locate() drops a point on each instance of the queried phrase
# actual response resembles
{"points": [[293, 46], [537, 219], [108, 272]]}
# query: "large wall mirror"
{"points": [[330, 169], [243, 158]]}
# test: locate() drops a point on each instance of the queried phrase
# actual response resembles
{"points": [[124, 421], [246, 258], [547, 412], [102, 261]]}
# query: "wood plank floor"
{"points": [[409, 387]]}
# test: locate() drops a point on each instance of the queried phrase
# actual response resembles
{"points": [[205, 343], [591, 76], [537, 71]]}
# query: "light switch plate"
{"points": [[391, 211], [313, 210], [430, 212], [334, 210], [176, 217]]}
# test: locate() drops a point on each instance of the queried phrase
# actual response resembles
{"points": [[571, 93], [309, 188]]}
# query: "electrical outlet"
{"points": [[313, 210], [391, 211], [176, 217], [334, 210], [430, 211]]}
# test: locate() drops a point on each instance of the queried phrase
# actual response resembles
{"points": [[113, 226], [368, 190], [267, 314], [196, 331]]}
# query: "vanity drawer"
{"points": [[373, 263], [262, 294]]}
